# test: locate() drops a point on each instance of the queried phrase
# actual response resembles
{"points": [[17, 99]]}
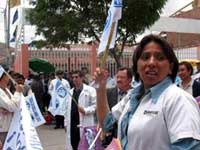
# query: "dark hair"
{"points": [[167, 49], [84, 68], [188, 66], [52, 74], [128, 70], [59, 72], [2, 76], [36, 77], [80, 73]]}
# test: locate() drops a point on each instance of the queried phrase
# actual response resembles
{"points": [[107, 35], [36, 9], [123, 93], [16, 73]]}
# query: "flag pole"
{"points": [[98, 134], [9, 76], [106, 52], [7, 20], [103, 65]]}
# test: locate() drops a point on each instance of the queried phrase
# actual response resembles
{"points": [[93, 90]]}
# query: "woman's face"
{"points": [[153, 66], [183, 72]]}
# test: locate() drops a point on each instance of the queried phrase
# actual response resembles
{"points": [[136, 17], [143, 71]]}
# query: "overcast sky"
{"points": [[170, 7]]}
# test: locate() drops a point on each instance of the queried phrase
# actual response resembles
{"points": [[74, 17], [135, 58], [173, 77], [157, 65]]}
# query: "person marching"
{"points": [[59, 90], [156, 115], [9, 103], [80, 110]]}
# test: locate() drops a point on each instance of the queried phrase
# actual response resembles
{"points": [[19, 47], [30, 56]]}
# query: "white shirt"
{"points": [[155, 125], [11, 105], [188, 88]]}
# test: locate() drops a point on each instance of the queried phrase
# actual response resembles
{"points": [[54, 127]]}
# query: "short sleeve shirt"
{"points": [[156, 124]]}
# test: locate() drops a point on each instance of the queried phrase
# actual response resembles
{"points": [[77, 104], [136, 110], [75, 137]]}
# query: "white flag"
{"points": [[36, 115], [22, 135], [114, 14]]}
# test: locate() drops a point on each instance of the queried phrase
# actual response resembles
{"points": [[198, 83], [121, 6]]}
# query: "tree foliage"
{"points": [[62, 21]]}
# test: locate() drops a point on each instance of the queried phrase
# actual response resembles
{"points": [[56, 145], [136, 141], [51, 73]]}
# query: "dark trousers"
{"points": [[75, 136], [59, 121]]}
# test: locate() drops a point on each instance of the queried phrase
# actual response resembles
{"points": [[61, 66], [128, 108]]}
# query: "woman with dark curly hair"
{"points": [[156, 115]]}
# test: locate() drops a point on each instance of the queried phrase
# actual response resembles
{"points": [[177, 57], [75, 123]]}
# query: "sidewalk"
{"points": [[51, 139]]}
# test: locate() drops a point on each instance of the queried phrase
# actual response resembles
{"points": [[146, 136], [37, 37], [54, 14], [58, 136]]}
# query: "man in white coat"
{"points": [[80, 110], [59, 89]]}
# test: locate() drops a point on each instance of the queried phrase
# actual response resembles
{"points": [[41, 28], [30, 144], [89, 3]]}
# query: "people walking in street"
{"points": [[80, 110], [157, 115]]}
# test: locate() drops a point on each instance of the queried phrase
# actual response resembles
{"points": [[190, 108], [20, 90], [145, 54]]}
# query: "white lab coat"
{"points": [[87, 100], [10, 105], [52, 91]]}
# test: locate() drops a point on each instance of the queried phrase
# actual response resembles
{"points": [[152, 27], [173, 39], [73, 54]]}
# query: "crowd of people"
{"points": [[145, 107]]}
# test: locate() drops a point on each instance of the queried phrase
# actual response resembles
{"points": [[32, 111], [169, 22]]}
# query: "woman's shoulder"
{"points": [[174, 94], [174, 90]]}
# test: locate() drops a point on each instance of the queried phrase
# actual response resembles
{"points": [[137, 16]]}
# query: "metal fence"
{"points": [[79, 56]]}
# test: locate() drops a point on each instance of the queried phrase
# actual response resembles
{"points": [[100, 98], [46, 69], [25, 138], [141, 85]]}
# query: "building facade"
{"points": [[184, 40]]}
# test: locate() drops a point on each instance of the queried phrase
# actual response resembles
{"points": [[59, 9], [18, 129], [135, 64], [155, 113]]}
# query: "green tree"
{"points": [[62, 21]]}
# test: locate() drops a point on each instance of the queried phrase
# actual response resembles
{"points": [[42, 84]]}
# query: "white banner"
{"points": [[22, 135], [60, 94], [114, 14], [36, 115]]}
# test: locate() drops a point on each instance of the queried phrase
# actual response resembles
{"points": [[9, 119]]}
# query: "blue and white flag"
{"points": [[14, 35], [60, 94], [22, 135], [114, 14], [36, 115], [14, 24], [15, 16]]}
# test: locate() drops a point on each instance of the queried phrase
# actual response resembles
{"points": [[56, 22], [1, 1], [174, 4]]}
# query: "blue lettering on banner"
{"points": [[20, 135], [32, 109], [34, 141], [11, 137], [37, 117], [29, 108], [117, 3]]}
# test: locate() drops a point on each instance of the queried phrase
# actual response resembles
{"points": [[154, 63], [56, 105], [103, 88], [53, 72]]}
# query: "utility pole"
{"points": [[7, 32]]}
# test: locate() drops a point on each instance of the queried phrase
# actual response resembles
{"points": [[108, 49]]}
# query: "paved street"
{"points": [[51, 139]]}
